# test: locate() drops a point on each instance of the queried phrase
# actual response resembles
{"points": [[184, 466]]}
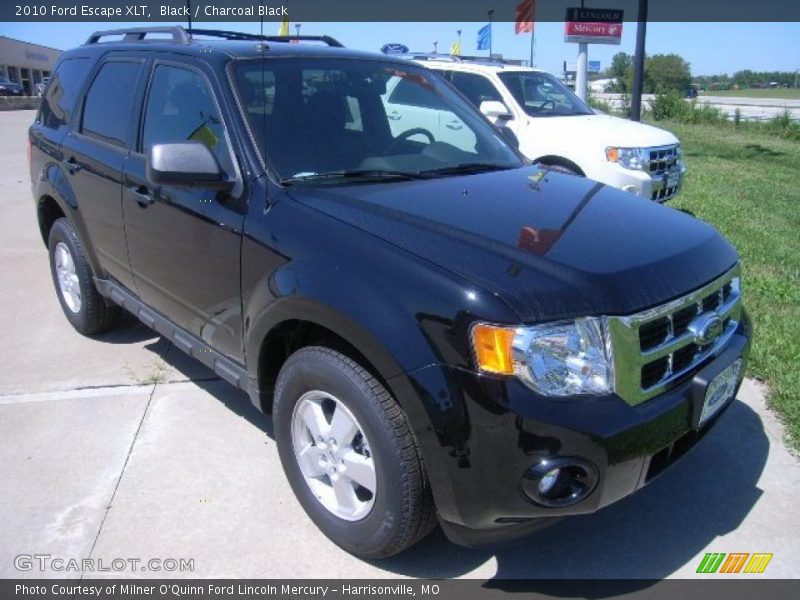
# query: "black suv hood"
{"points": [[552, 246]]}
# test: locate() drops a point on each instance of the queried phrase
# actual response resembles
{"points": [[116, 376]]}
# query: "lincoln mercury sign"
{"points": [[593, 26]]}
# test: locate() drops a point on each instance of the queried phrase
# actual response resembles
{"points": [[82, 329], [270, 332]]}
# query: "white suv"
{"points": [[556, 128]]}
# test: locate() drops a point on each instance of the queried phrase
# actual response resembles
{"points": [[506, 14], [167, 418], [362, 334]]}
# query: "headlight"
{"points": [[561, 359], [630, 158]]}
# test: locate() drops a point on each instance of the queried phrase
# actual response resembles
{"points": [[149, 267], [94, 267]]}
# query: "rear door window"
{"points": [[108, 108]]}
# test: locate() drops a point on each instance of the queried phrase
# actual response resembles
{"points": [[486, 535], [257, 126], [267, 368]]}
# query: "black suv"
{"points": [[441, 331]]}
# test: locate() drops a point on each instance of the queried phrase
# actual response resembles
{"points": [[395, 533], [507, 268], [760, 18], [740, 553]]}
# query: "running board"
{"points": [[228, 370]]}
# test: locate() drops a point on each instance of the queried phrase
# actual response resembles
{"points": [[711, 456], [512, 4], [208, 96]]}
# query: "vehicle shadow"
{"points": [[130, 330], [647, 536], [234, 399]]}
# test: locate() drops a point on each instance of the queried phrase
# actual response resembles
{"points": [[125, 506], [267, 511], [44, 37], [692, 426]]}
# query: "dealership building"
{"points": [[26, 63]]}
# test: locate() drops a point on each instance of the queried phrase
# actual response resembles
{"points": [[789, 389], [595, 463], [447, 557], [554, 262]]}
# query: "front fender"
{"points": [[407, 316]]}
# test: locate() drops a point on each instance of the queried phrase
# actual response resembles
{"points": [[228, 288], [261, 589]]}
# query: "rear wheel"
{"points": [[83, 306], [349, 454]]}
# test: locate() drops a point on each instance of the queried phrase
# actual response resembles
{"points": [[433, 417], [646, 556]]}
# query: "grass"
{"points": [[747, 184], [777, 93]]}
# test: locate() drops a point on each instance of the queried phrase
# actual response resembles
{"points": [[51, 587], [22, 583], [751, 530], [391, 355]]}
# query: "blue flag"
{"points": [[485, 37]]}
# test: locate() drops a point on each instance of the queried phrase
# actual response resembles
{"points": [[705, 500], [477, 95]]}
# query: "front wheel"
{"points": [[349, 455]]}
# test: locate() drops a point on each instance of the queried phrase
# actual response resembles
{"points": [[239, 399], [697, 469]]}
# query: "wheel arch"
{"points": [[554, 159], [291, 334], [48, 211]]}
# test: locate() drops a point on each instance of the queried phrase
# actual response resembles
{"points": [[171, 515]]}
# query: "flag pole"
{"points": [[491, 12], [532, 50]]}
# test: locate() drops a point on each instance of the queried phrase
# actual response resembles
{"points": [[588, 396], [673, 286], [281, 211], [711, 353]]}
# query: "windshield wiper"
{"points": [[376, 174], [467, 168]]}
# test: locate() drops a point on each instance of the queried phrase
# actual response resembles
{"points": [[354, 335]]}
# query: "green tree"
{"points": [[666, 72], [621, 69]]}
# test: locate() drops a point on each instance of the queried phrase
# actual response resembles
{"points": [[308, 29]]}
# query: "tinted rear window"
{"points": [[107, 111], [63, 91]]}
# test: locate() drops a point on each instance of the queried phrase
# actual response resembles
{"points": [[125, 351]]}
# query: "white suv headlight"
{"points": [[560, 359], [630, 158]]}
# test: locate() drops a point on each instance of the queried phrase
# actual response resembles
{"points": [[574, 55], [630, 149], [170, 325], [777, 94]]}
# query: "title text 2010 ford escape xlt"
{"points": [[442, 332]]}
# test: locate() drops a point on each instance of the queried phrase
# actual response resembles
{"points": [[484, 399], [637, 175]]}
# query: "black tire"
{"points": [[403, 511], [94, 315], [558, 168]]}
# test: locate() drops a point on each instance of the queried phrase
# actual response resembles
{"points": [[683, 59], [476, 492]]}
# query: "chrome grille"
{"points": [[663, 159], [658, 162], [655, 349]]}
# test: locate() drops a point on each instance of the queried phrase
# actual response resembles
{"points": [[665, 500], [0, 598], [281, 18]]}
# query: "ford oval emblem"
{"points": [[394, 49], [706, 328]]}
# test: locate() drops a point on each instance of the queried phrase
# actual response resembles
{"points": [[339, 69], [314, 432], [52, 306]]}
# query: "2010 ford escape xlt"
{"points": [[441, 331]]}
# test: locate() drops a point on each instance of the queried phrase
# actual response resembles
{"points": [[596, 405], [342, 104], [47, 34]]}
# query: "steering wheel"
{"points": [[546, 102], [407, 134]]}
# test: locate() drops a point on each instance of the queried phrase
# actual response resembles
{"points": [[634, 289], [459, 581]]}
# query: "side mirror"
{"points": [[189, 164], [495, 110], [510, 136]]}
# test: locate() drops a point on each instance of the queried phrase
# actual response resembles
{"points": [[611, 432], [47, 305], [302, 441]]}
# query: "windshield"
{"points": [[322, 119], [542, 95]]}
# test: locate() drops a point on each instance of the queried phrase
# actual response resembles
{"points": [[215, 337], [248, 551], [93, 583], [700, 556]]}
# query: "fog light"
{"points": [[559, 481], [549, 480]]}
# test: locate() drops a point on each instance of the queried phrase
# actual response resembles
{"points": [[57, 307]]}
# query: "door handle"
{"points": [[142, 195], [72, 165], [394, 116], [454, 125]]}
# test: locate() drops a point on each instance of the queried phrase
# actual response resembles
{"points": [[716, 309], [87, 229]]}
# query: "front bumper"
{"points": [[496, 430], [659, 187]]}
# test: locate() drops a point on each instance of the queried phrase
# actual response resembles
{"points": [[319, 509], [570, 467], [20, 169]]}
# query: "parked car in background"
{"points": [[555, 128], [10, 88]]}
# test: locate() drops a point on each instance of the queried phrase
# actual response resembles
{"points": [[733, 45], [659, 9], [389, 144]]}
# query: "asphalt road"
{"points": [[757, 109], [98, 460]]}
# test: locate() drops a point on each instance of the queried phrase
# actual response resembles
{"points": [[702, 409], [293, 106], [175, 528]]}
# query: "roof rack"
{"points": [[483, 60], [431, 56], [184, 36], [227, 35], [332, 42], [139, 34]]}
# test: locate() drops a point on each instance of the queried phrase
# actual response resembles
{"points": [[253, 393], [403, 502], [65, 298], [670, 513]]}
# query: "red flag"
{"points": [[524, 20]]}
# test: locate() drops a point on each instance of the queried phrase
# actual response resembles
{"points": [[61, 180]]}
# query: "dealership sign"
{"points": [[593, 26]]}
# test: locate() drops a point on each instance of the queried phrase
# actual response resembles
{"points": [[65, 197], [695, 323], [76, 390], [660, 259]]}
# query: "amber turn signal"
{"points": [[493, 348]]}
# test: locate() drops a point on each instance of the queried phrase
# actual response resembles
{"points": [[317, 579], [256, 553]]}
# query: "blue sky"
{"points": [[711, 48]]}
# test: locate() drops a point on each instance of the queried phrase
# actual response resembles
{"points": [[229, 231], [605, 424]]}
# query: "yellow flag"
{"points": [[284, 28], [455, 49]]}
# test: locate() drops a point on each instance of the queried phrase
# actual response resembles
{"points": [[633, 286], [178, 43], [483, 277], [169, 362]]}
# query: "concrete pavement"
{"points": [[122, 447]]}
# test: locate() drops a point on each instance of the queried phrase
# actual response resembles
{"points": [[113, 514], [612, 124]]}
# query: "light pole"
{"points": [[638, 63], [435, 47]]}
